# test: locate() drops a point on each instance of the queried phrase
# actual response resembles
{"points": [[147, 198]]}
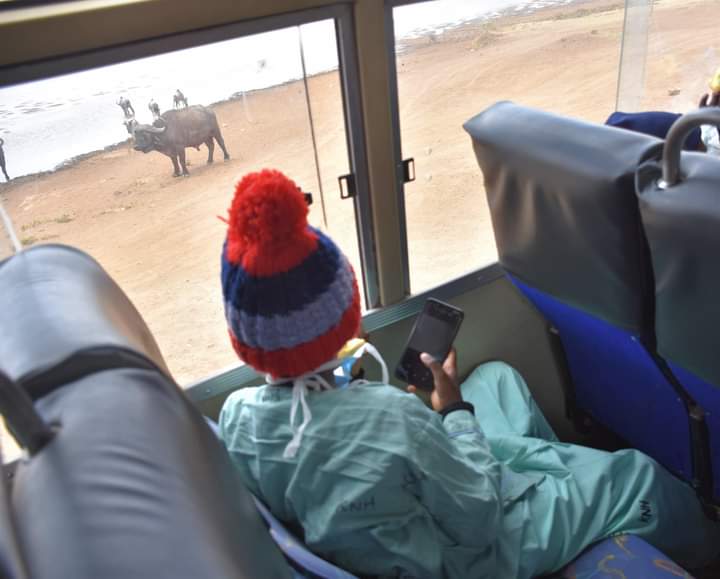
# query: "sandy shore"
{"points": [[159, 237]]}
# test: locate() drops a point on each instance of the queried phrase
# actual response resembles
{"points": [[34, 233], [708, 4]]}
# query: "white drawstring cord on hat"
{"points": [[299, 393], [314, 381]]}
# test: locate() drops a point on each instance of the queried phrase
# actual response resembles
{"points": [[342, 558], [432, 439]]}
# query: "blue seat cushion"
{"points": [[622, 556], [617, 382]]}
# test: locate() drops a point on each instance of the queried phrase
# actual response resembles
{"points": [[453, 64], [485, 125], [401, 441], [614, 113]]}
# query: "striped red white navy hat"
{"points": [[291, 297]]}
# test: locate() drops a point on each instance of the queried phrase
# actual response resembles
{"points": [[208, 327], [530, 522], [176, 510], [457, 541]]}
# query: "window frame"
{"points": [[399, 184], [342, 16], [397, 133]]}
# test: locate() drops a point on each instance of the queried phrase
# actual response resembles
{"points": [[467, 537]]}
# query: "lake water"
{"points": [[46, 123]]}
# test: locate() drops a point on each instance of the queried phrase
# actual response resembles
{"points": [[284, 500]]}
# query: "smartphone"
{"points": [[434, 332]]}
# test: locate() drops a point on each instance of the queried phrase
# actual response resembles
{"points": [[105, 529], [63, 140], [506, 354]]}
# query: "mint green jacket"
{"points": [[382, 485]]}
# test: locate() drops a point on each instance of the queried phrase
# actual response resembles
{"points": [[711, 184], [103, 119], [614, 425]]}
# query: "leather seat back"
{"points": [[64, 317], [682, 224], [569, 234], [133, 483]]}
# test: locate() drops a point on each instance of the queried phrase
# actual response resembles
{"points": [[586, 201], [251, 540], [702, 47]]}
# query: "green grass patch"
{"points": [[64, 218], [31, 225]]}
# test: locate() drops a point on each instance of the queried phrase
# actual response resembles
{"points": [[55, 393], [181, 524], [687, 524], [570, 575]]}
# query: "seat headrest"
{"points": [[135, 484], [682, 225], [563, 208], [63, 317]]}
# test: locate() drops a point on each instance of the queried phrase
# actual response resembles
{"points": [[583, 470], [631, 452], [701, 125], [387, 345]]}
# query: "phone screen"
{"points": [[434, 332], [432, 335]]}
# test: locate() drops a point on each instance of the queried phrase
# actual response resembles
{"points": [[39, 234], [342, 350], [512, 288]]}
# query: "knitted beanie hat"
{"points": [[291, 297]]}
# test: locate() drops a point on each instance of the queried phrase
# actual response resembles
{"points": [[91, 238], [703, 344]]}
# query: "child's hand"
{"points": [[446, 389]]}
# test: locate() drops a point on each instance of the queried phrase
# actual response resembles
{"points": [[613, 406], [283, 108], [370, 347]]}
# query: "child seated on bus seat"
{"points": [[380, 484]]}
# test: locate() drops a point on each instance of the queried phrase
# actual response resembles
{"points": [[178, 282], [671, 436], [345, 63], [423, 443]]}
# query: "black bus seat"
{"points": [[568, 233], [682, 224], [133, 483], [63, 317]]}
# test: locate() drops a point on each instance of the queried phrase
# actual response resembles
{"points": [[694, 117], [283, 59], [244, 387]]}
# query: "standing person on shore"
{"points": [[127, 107], [379, 483], [2, 160], [179, 99]]}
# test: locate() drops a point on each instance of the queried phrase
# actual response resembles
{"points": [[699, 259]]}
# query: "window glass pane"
{"points": [[8, 448], [76, 178], [670, 53], [334, 215], [454, 59], [8, 240]]}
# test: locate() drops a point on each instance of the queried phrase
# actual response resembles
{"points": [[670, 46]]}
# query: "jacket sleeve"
{"points": [[458, 479]]}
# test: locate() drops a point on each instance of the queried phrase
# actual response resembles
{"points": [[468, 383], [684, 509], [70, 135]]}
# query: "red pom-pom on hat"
{"points": [[267, 227]]}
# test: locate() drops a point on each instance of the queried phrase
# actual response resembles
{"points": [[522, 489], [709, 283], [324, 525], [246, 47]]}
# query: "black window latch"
{"points": [[347, 186], [408, 166]]}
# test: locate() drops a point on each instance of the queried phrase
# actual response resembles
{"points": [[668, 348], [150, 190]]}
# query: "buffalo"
{"points": [[130, 125], [177, 129]]}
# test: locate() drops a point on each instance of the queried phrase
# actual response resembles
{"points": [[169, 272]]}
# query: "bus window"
{"points": [[453, 59], [670, 52], [270, 100]]}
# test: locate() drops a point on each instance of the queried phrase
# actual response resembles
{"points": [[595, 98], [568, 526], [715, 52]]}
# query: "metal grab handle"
{"points": [[676, 137], [21, 417]]}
